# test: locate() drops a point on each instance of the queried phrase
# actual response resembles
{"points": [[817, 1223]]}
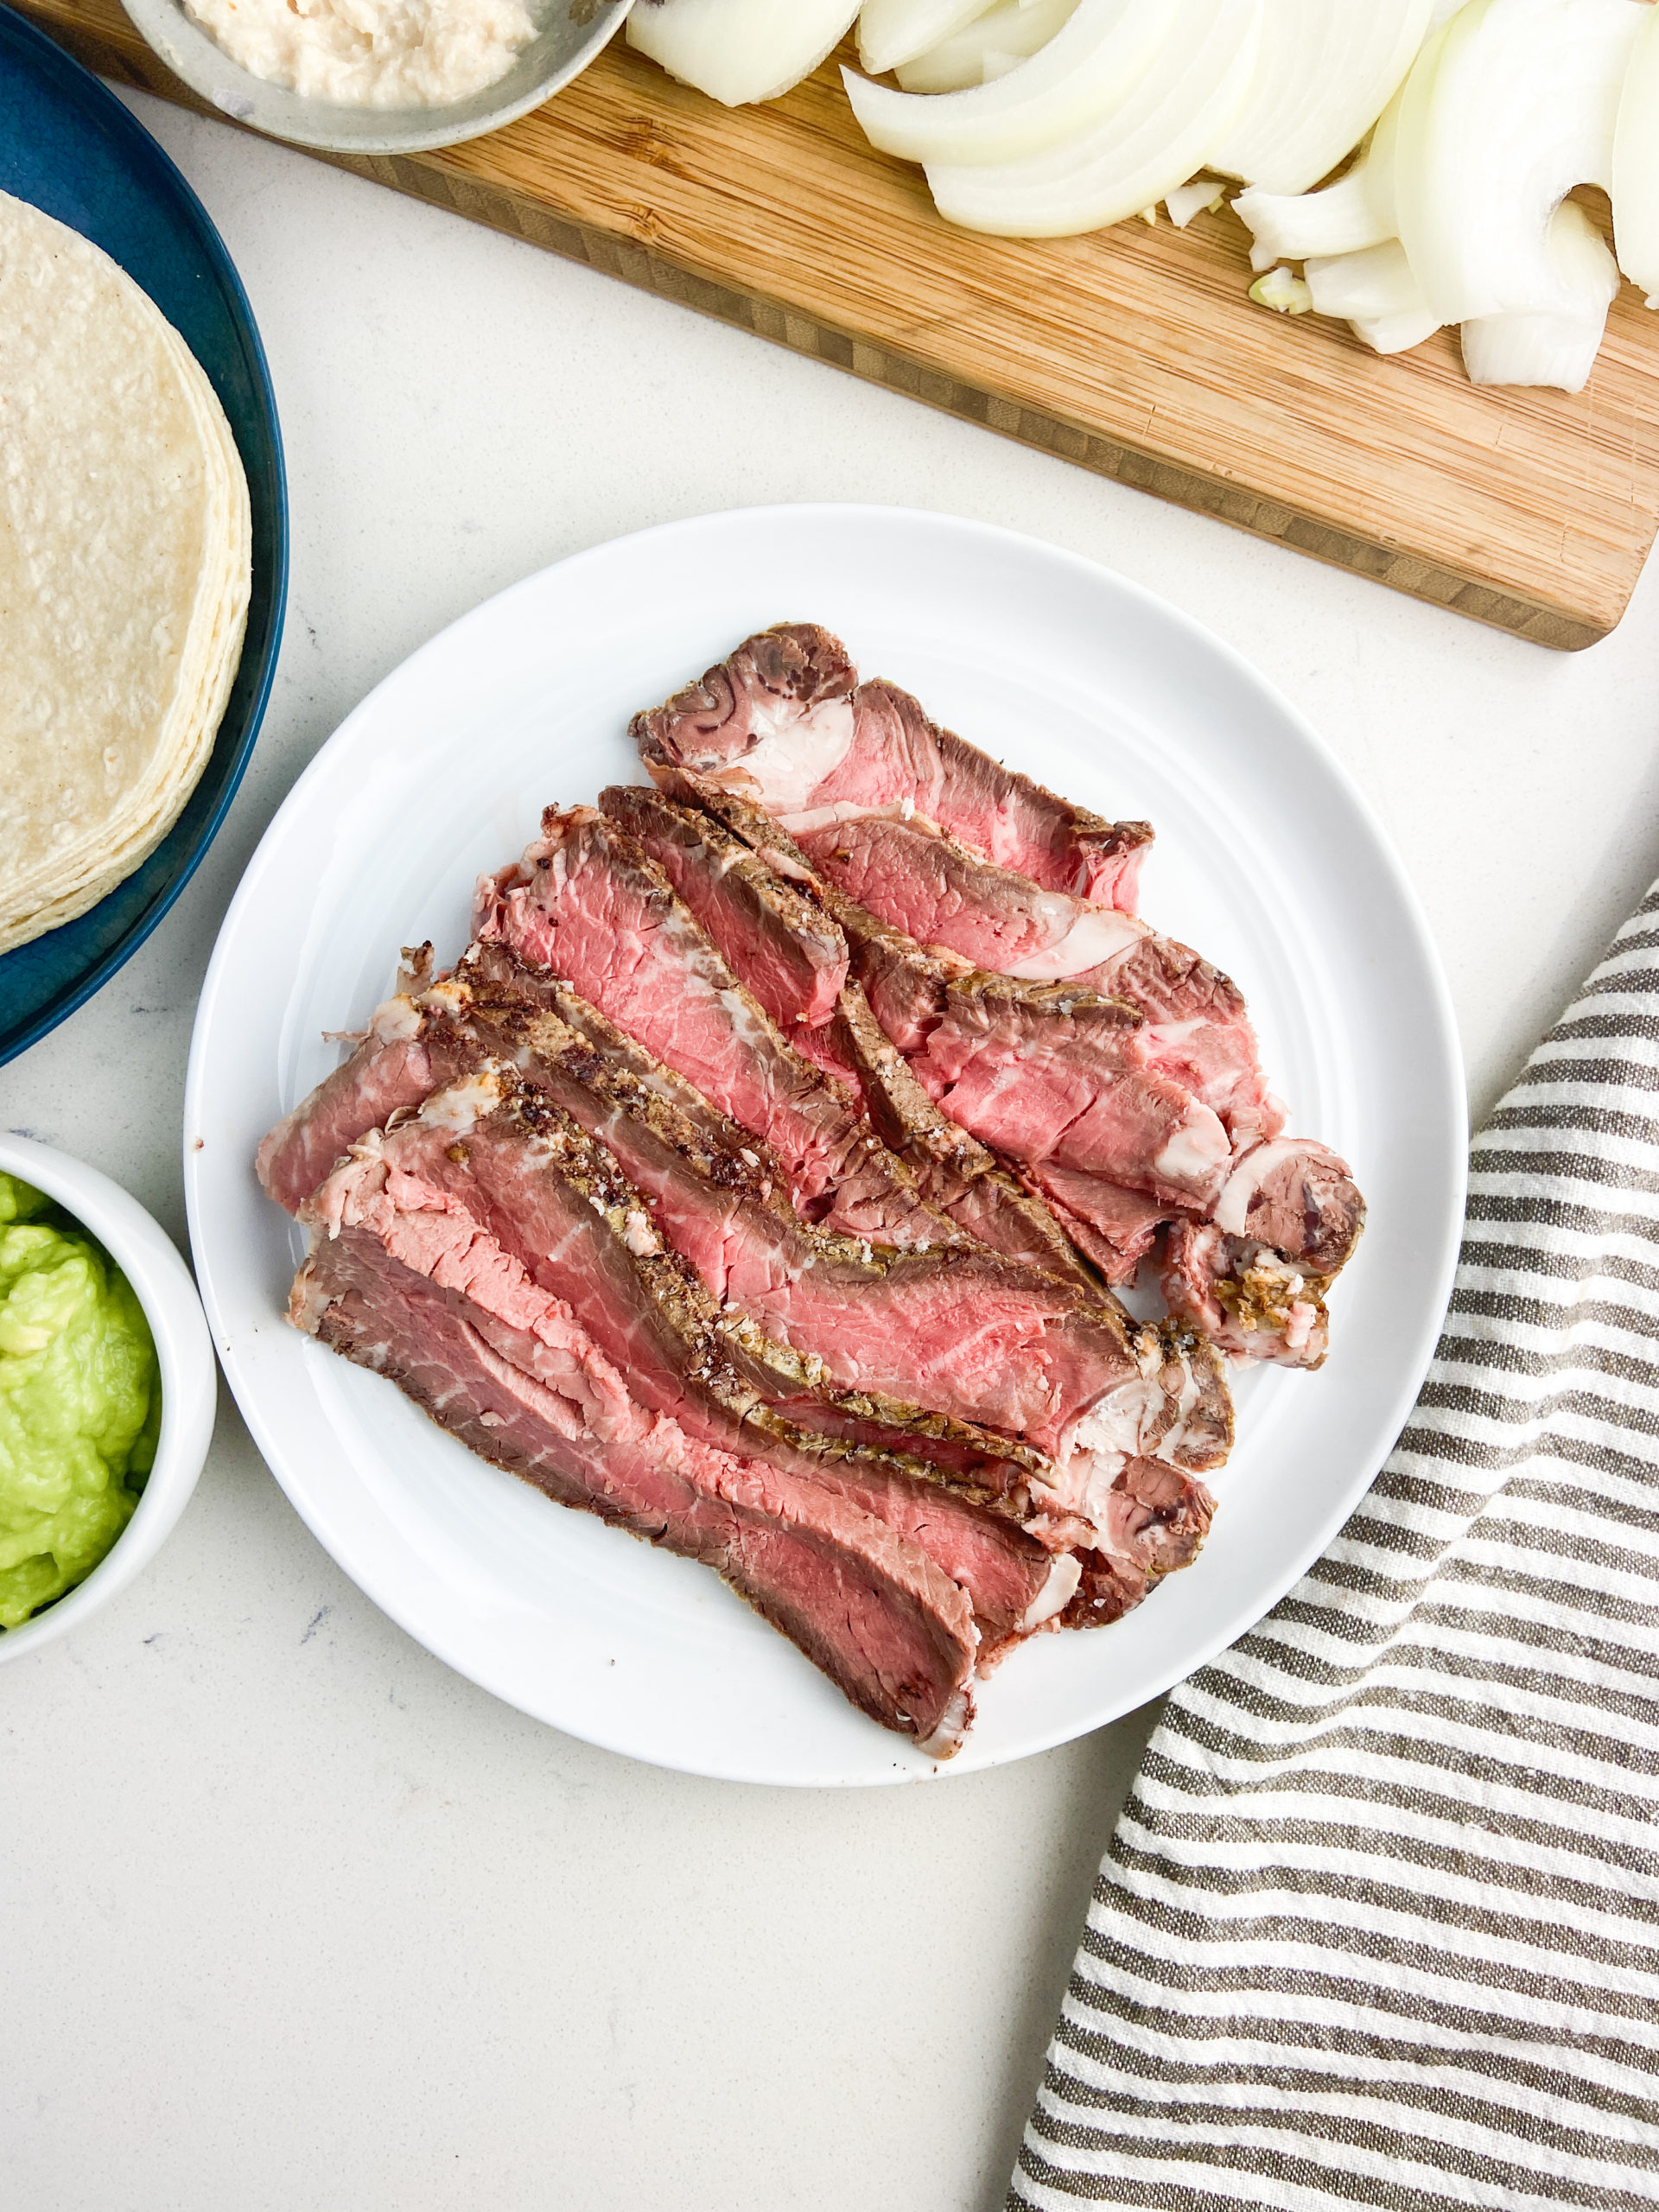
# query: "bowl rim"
{"points": [[193, 54], [189, 1373]]}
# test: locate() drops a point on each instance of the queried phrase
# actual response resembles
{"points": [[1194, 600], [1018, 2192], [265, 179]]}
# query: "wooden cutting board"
{"points": [[1134, 353]]}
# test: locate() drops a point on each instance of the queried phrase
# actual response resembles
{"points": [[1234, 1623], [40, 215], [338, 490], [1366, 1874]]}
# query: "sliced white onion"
{"points": [[1551, 349], [1367, 286], [1636, 163], [1203, 196], [891, 31], [990, 46], [1517, 104], [1151, 143], [1326, 70], [1354, 213], [1086, 70], [1396, 333], [739, 51]]}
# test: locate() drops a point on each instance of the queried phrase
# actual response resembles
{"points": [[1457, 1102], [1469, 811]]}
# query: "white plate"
{"points": [[1267, 858]]}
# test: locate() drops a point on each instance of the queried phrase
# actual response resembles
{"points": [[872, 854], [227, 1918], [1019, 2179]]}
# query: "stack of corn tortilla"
{"points": [[124, 568]]}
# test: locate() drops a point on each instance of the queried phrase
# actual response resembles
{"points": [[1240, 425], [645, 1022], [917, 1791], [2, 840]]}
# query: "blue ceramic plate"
{"points": [[69, 147]]}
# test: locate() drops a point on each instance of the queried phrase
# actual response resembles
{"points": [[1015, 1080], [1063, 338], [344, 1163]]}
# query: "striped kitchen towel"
{"points": [[1380, 1922]]}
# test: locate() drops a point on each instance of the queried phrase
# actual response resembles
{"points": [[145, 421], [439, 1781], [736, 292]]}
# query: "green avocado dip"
{"points": [[81, 1403]]}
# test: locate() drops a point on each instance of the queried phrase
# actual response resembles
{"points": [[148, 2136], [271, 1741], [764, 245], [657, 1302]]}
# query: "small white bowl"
{"points": [[146, 1255], [572, 32]]}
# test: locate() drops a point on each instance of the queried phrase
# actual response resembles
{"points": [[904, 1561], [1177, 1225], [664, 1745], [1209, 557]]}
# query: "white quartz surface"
{"points": [[289, 1915]]}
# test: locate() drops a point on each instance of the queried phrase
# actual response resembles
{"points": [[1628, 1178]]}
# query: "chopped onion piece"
{"points": [[1202, 197], [1557, 348], [739, 51], [1366, 287], [1148, 144], [1355, 211], [1636, 163], [991, 45], [1513, 105], [1396, 333], [891, 31], [1326, 70], [1283, 291], [1093, 63]]}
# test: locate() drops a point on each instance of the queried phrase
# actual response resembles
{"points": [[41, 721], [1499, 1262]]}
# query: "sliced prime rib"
{"points": [[948, 1016], [658, 1125], [1032, 1393], [789, 953], [585, 902], [795, 959], [1162, 1518], [785, 721], [553, 1198], [933, 889], [1036, 1071], [405, 1283]]}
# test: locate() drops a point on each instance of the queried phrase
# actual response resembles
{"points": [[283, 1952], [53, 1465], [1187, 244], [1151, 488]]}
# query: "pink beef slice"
{"points": [[610, 1085], [1036, 1071], [586, 903], [782, 945], [785, 722], [1160, 1519], [1117, 1228], [1197, 1030], [556, 1202], [402, 1282]]}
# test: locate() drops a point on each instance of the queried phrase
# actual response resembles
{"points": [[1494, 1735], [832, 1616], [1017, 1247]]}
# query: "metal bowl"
{"points": [[572, 33]]}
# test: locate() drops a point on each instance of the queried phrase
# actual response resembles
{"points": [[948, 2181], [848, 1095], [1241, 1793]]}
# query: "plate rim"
{"points": [[1451, 1119], [47, 55]]}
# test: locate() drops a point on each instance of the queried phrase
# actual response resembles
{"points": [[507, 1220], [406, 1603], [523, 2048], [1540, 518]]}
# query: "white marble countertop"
{"points": [[289, 1915]]}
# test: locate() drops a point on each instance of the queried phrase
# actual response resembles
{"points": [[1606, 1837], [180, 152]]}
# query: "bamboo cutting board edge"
{"points": [[101, 35]]}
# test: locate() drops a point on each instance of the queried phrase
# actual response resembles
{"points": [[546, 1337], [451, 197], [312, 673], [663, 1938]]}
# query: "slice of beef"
{"points": [[1161, 1518], [784, 722], [935, 889], [554, 1199], [406, 1285], [782, 944], [1249, 1298], [955, 1172], [1037, 1070], [1031, 1391], [586, 903], [612, 1087], [1117, 1228]]}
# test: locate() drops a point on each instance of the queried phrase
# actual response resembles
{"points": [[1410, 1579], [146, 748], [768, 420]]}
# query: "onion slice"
{"points": [[990, 46], [1557, 349], [1326, 70], [1636, 163], [1517, 107], [1085, 71], [891, 31], [1159, 135], [740, 51], [1354, 213]]}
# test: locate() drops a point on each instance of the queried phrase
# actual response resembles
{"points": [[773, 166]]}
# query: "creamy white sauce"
{"points": [[371, 53]]}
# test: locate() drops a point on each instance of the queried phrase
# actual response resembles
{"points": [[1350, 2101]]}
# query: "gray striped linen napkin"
{"points": [[1380, 1922]]}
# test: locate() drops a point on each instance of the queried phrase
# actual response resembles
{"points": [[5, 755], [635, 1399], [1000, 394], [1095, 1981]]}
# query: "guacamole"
{"points": [[81, 1403]]}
